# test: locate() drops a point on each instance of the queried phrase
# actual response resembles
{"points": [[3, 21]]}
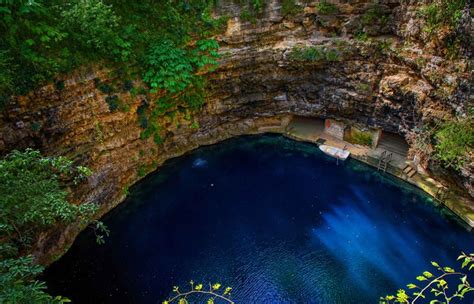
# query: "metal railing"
{"points": [[384, 160]]}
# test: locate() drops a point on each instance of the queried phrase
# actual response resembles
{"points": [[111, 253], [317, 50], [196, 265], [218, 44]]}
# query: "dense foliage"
{"points": [[455, 142], [442, 12], [33, 200], [175, 69], [18, 283], [40, 39]]}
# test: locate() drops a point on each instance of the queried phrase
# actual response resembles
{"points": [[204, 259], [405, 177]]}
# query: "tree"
{"points": [[94, 25], [33, 199]]}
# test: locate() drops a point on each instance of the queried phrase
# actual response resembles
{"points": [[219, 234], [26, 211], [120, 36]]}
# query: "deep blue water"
{"points": [[275, 219]]}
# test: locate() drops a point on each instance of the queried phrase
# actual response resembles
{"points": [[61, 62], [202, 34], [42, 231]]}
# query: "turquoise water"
{"points": [[277, 220]]}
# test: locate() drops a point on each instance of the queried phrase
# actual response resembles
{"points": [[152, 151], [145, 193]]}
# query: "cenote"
{"points": [[275, 219]]}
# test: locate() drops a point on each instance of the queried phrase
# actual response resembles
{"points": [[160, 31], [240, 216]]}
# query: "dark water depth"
{"points": [[275, 219]]}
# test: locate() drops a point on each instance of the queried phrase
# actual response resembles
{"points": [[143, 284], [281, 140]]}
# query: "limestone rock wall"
{"points": [[396, 81]]}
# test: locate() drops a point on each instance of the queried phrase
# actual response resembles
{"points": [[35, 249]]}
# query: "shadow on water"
{"points": [[275, 219]]}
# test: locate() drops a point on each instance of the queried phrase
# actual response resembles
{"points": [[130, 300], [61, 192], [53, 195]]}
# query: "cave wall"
{"points": [[257, 85]]}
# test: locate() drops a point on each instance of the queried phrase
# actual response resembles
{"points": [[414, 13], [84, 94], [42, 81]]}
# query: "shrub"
{"points": [[373, 15], [158, 139], [361, 35], [113, 102], [257, 5], [41, 39], [127, 86], [168, 67], [32, 196], [289, 7], [104, 88], [455, 142], [94, 25], [326, 8], [442, 12], [361, 137], [363, 87], [314, 54], [332, 55], [177, 71], [35, 126], [142, 117], [246, 15], [28, 32], [306, 54], [59, 85], [18, 283], [33, 200], [6, 75]]}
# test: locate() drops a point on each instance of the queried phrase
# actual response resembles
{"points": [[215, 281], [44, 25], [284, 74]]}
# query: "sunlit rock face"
{"points": [[398, 81]]}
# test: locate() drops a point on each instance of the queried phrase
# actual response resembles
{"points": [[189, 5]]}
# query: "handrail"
{"points": [[384, 160]]}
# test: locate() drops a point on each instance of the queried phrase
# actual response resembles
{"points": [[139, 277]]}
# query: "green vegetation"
{"points": [[94, 26], [314, 54], [257, 5], [18, 283], [432, 286], [33, 200], [442, 13], [213, 293], [363, 87], [455, 142], [436, 286], [373, 15], [360, 137], [248, 16], [174, 70], [326, 8], [290, 7], [251, 9], [40, 40]]}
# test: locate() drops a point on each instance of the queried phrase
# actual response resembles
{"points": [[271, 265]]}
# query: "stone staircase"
{"points": [[409, 171]]}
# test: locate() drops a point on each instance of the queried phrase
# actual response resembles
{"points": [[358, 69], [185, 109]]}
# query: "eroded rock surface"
{"points": [[398, 80]]}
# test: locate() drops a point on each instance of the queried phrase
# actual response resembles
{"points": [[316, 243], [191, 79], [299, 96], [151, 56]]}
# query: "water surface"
{"points": [[275, 219]]}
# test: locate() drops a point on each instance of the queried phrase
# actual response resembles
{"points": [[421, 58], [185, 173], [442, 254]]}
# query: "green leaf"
{"points": [[465, 262], [411, 286], [427, 274], [421, 278]]}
